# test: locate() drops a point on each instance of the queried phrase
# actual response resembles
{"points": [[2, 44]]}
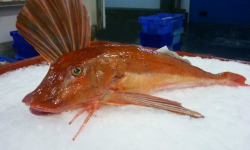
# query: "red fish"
{"points": [[87, 77]]}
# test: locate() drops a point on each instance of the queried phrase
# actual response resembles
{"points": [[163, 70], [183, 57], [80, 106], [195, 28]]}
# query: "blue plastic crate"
{"points": [[19, 40], [176, 47], [156, 40], [24, 49], [177, 35], [17, 57], [161, 23], [4, 58]]}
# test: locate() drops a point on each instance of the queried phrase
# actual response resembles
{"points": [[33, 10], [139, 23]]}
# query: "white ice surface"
{"points": [[226, 125]]}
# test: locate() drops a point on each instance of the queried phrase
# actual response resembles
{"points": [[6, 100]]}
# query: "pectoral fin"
{"points": [[152, 101]]}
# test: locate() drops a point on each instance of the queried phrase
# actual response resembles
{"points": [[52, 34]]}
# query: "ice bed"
{"points": [[225, 126]]}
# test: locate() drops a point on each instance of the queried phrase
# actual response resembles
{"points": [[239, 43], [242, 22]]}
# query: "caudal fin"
{"points": [[233, 79]]}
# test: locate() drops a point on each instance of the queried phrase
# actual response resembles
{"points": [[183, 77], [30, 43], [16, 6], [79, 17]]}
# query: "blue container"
{"points": [[24, 49], [7, 59], [177, 35], [161, 23], [17, 57], [156, 40], [176, 47], [234, 12]]}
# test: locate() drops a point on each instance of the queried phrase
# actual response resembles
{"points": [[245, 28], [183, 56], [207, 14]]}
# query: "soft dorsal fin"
{"points": [[55, 27]]}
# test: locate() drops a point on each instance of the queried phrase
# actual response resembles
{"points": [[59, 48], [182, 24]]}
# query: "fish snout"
{"points": [[28, 99], [38, 106]]}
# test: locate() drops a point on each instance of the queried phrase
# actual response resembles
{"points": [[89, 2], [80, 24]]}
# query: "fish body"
{"points": [[116, 68], [87, 77]]}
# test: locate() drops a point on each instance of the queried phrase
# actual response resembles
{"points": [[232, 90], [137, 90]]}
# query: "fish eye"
{"points": [[76, 71]]}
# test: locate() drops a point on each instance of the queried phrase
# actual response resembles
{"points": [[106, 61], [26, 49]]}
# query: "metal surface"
{"points": [[100, 8], [12, 4]]}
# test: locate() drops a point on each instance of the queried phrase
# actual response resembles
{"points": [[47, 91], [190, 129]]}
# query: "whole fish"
{"points": [[87, 77]]}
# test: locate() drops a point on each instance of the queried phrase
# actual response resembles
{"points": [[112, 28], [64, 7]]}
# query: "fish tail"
{"points": [[233, 79]]}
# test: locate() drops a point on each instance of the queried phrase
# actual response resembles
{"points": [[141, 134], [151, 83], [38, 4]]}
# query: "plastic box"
{"points": [[24, 49], [156, 40], [176, 47], [177, 35], [6, 59], [161, 23], [17, 57]]}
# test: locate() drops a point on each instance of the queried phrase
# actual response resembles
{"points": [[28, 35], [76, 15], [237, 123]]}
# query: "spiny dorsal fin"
{"points": [[55, 27], [166, 51]]}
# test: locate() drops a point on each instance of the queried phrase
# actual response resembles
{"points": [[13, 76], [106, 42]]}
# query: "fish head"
{"points": [[74, 80]]}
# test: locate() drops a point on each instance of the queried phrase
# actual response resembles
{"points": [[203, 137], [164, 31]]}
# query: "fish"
{"points": [[88, 77]]}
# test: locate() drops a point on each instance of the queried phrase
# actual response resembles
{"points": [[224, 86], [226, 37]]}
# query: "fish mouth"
{"points": [[40, 113], [28, 100]]}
